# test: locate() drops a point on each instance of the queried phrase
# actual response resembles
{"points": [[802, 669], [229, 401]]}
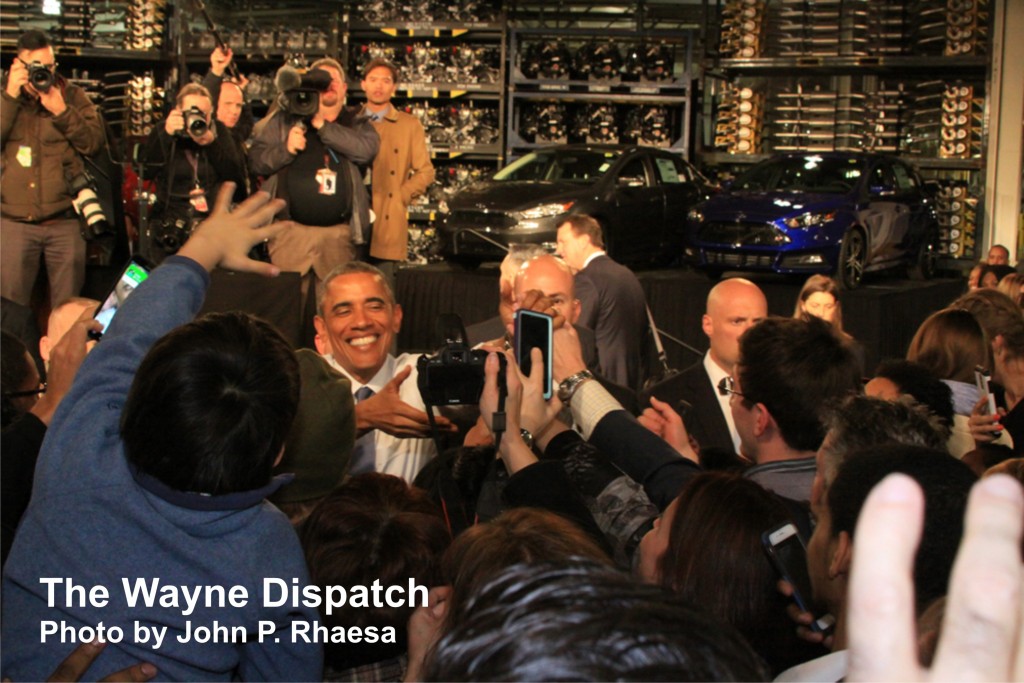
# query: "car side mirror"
{"points": [[631, 181], [882, 191]]}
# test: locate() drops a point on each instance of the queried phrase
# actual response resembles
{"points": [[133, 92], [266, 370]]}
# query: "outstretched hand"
{"points": [[664, 421], [981, 633], [387, 412], [226, 237]]}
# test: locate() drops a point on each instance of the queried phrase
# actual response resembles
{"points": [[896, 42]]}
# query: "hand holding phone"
{"points": [[982, 378], [533, 331], [788, 555], [133, 275]]}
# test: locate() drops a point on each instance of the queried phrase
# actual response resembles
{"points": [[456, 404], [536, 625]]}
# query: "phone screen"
{"points": [[533, 330], [133, 275]]}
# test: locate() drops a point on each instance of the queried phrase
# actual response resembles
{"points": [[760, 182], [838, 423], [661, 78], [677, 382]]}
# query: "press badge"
{"points": [[197, 198], [25, 156], [328, 181]]}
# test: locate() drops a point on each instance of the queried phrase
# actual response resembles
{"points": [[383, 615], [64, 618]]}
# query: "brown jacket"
{"points": [[401, 171], [40, 190]]}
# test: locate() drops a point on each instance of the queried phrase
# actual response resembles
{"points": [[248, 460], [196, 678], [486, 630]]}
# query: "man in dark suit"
{"points": [[612, 302], [733, 306]]}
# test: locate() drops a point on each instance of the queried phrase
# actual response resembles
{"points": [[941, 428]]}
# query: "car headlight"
{"points": [[695, 216], [810, 219], [545, 210]]}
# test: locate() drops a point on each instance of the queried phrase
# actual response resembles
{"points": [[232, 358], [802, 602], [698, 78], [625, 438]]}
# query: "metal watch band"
{"points": [[570, 384]]}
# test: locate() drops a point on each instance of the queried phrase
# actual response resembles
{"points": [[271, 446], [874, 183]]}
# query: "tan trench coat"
{"points": [[401, 171]]}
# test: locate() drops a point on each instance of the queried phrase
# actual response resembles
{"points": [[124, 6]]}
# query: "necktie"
{"points": [[364, 454]]}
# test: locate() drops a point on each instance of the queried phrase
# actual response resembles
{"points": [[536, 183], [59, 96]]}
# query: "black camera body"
{"points": [[455, 374], [41, 76], [301, 98], [196, 124]]}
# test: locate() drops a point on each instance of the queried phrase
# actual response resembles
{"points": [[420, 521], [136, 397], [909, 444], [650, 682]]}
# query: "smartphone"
{"points": [[789, 557], [134, 274], [982, 377], [533, 331]]}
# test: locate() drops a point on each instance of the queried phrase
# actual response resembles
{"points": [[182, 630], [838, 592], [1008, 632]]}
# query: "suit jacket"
{"points": [[703, 419], [613, 305]]}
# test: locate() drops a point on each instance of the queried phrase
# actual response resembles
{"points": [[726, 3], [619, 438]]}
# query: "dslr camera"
{"points": [[196, 124], [455, 374], [41, 76], [87, 205], [300, 94]]}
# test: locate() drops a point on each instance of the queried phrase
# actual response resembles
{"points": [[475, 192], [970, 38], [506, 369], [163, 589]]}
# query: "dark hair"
{"points": [[735, 583], [946, 483], [863, 422], [33, 40], [583, 224], [927, 389], [1000, 271], [14, 372], [998, 315], [348, 269], [515, 536], [581, 621], [378, 62], [211, 405], [794, 367], [951, 343], [373, 527]]}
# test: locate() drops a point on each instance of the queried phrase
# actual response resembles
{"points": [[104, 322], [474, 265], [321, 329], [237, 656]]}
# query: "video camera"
{"points": [[455, 374], [41, 76], [300, 93]]}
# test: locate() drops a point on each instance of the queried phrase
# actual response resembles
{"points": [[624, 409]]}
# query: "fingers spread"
{"points": [[881, 594]]}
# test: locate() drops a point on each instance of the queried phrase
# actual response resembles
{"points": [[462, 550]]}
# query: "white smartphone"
{"points": [[982, 379], [788, 555]]}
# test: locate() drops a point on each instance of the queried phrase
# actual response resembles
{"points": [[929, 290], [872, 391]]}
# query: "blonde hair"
{"points": [[193, 89]]}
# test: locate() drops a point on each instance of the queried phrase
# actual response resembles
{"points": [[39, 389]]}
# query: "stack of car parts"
{"points": [[739, 119], [404, 11], [805, 120], [598, 61], [743, 26], [547, 60], [145, 24], [648, 125], [962, 115], [808, 28], [884, 116], [653, 62], [544, 122], [597, 123], [886, 23], [966, 27], [458, 125], [957, 212]]}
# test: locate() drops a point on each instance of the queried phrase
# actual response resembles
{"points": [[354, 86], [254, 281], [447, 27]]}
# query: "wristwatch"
{"points": [[527, 438], [570, 384]]}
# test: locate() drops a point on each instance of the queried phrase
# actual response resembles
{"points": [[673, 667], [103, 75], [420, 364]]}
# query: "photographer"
{"points": [[45, 125], [313, 144], [189, 156]]}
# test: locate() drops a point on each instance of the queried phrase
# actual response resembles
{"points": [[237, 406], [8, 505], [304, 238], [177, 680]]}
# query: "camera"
{"points": [[196, 124], [170, 233], [40, 76], [87, 205], [300, 95], [455, 374]]}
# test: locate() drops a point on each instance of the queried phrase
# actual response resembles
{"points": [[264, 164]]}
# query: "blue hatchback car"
{"points": [[837, 213]]}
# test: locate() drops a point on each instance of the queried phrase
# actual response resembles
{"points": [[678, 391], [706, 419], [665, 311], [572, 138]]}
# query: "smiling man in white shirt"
{"points": [[358, 319]]}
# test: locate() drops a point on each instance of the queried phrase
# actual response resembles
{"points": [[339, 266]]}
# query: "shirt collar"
{"points": [[377, 382], [599, 252], [378, 116]]}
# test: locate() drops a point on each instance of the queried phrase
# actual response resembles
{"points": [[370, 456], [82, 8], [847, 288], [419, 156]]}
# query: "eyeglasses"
{"points": [[727, 386], [25, 394]]}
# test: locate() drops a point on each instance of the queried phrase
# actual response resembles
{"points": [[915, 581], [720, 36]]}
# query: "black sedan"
{"points": [[640, 195]]}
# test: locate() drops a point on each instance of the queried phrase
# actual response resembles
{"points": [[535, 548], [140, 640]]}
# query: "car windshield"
{"points": [[809, 173], [565, 166]]}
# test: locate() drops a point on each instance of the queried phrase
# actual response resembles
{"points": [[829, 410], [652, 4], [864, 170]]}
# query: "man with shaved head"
{"points": [[733, 306]]}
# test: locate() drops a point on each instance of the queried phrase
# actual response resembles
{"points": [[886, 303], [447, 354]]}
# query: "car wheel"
{"points": [[924, 265], [852, 259]]}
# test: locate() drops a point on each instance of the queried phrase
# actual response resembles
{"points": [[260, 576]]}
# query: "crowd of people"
{"points": [[609, 532]]}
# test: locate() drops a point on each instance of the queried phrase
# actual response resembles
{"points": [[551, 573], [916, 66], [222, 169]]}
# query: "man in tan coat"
{"points": [[401, 171]]}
